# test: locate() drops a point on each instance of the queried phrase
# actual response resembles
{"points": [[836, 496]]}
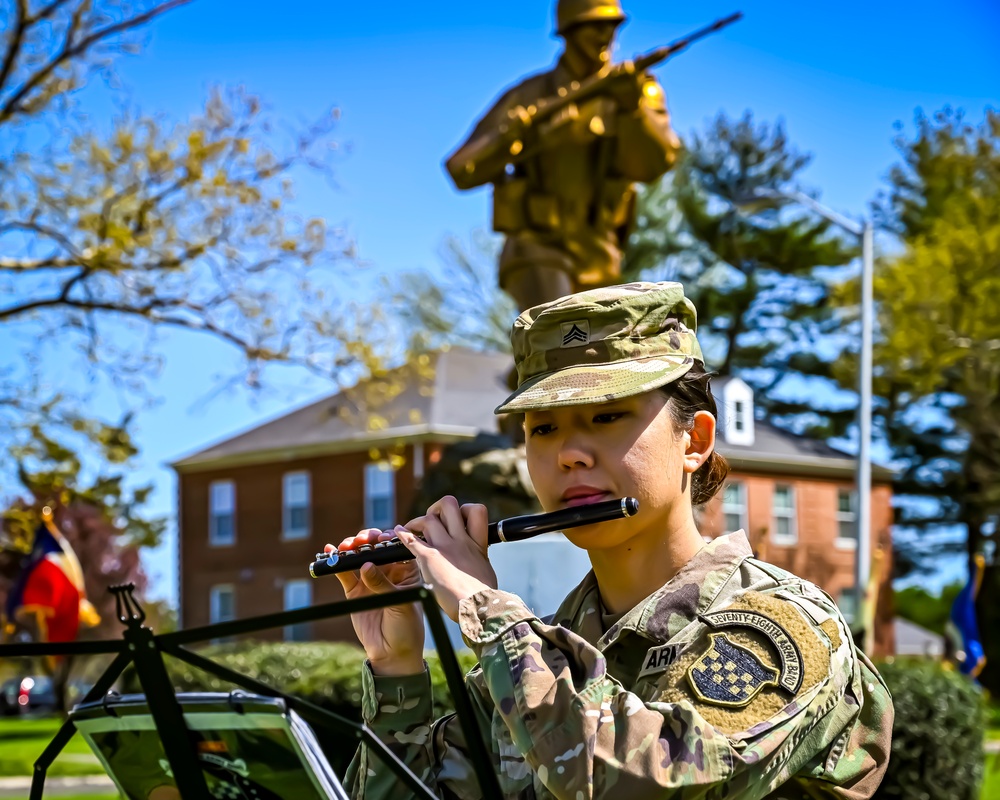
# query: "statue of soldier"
{"points": [[564, 191]]}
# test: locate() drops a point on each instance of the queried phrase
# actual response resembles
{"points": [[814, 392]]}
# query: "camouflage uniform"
{"points": [[735, 679], [573, 711]]}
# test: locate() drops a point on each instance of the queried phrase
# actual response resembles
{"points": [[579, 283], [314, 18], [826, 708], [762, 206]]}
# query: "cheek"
{"points": [[654, 466]]}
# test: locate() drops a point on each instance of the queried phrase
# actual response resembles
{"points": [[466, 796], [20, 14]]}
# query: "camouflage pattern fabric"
{"points": [[572, 711], [601, 345]]}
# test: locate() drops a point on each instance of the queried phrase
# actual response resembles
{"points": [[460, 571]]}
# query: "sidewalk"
{"points": [[55, 787]]}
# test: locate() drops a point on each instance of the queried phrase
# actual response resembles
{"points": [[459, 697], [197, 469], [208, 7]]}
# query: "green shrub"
{"points": [[325, 673], [937, 736]]}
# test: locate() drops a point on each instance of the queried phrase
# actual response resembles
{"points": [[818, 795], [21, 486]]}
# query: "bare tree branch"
{"points": [[71, 50], [16, 41]]}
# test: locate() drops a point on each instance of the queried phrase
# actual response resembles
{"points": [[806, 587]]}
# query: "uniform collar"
{"points": [[658, 618]]}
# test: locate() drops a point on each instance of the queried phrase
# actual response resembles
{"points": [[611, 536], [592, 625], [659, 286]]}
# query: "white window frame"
{"points": [[733, 509], [847, 516], [373, 469], [303, 631], [287, 481], [215, 512], [784, 513], [213, 602]]}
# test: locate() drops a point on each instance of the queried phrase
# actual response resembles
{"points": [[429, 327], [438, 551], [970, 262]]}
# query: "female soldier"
{"points": [[676, 668]]}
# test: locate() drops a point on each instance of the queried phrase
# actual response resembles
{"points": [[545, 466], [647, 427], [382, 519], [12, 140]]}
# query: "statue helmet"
{"points": [[575, 12]]}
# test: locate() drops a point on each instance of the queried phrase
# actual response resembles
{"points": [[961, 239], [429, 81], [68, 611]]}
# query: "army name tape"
{"points": [[791, 659], [660, 657]]}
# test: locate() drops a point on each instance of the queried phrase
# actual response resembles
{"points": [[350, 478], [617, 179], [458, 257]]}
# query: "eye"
{"points": [[608, 417], [542, 430]]}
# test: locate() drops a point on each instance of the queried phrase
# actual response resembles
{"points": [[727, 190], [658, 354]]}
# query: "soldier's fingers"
{"points": [[429, 526], [375, 580], [348, 580], [477, 524], [450, 514]]}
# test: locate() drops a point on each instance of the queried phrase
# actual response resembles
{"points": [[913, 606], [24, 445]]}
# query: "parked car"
{"points": [[25, 694]]}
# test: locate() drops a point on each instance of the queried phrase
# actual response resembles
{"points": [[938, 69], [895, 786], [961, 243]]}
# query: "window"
{"points": [[380, 495], [739, 421], [221, 604], [222, 513], [734, 506], [295, 505], [783, 511], [298, 594], [847, 518]]}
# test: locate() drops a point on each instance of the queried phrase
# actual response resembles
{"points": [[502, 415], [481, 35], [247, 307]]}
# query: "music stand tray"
{"points": [[248, 746]]}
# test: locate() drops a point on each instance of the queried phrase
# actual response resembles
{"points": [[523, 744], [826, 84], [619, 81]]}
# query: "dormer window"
{"points": [[734, 400]]}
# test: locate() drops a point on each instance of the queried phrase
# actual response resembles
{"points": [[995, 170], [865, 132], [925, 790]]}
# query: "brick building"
{"points": [[255, 508]]}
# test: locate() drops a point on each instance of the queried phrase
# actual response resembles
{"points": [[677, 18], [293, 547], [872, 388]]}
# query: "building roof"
{"points": [[774, 450], [450, 398]]}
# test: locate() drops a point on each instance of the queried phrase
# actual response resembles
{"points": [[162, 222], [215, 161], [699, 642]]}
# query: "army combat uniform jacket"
{"points": [[570, 204], [734, 680]]}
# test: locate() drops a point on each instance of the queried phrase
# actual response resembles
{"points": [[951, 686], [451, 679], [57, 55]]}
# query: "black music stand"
{"points": [[142, 648]]}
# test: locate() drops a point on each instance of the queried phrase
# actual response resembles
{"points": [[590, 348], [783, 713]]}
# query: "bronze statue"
{"points": [[564, 149]]}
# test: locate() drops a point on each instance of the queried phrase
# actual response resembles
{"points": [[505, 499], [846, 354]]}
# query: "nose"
{"points": [[574, 453]]}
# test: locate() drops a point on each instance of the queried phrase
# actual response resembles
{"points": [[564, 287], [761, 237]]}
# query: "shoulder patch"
{"points": [[768, 656], [729, 675], [791, 659]]}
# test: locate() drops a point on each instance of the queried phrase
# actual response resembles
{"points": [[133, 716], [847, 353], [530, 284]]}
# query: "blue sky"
{"points": [[410, 79]]}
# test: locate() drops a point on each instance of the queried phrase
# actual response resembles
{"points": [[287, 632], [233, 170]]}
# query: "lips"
{"points": [[582, 495]]}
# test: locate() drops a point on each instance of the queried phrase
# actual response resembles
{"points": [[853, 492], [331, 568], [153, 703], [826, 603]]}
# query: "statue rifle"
{"points": [[576, 92]]}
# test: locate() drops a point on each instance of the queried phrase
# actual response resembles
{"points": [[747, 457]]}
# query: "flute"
{"points": [[513, 529]]}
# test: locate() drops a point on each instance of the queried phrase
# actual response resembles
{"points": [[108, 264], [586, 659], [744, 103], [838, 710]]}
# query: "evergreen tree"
{"points": [[938, 352], [757, 270]]}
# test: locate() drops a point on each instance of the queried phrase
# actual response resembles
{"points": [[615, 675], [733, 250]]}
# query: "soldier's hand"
{"points": [[393, 637], [452, 555]]}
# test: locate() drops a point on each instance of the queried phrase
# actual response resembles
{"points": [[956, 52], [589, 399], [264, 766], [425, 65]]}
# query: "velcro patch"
{"points": [[575, 333], [729, 675], [790, 677], [660, 657]]}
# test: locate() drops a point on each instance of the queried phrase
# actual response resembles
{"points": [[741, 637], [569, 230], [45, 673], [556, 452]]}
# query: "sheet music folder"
{"points": [[250, 746]]}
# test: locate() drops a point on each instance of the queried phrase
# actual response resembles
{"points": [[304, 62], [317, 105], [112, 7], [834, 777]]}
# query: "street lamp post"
{"points": [[864, 231]]}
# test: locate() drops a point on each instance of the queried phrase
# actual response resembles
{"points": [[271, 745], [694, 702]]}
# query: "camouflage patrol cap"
{"points": [[601, 345]]}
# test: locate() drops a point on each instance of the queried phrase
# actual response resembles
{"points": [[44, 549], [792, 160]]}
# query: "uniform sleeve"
{"points": [[647, 145], [483, 156], [584, 736], [398, 711]]}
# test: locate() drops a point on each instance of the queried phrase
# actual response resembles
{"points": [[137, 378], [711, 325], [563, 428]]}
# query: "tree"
{"points": [[101, 518], [460, 305], [938, 351], [111, 237], [758, 274]]}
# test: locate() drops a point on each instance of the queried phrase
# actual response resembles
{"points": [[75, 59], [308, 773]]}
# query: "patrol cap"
{"points": [[602, 345], [575, 12]]}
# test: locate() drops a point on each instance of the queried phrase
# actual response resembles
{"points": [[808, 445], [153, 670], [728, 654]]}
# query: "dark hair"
{"points": [[688, 395]]}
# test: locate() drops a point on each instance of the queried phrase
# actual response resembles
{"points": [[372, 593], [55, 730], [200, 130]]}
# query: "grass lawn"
{"points": [[991, 779], [22, 740]]}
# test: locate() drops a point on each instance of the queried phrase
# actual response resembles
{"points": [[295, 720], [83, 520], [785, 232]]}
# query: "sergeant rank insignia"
{"points": [[728, 674]]}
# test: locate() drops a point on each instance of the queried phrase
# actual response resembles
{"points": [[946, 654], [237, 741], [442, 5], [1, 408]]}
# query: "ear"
{"points": [[699, 441]]}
